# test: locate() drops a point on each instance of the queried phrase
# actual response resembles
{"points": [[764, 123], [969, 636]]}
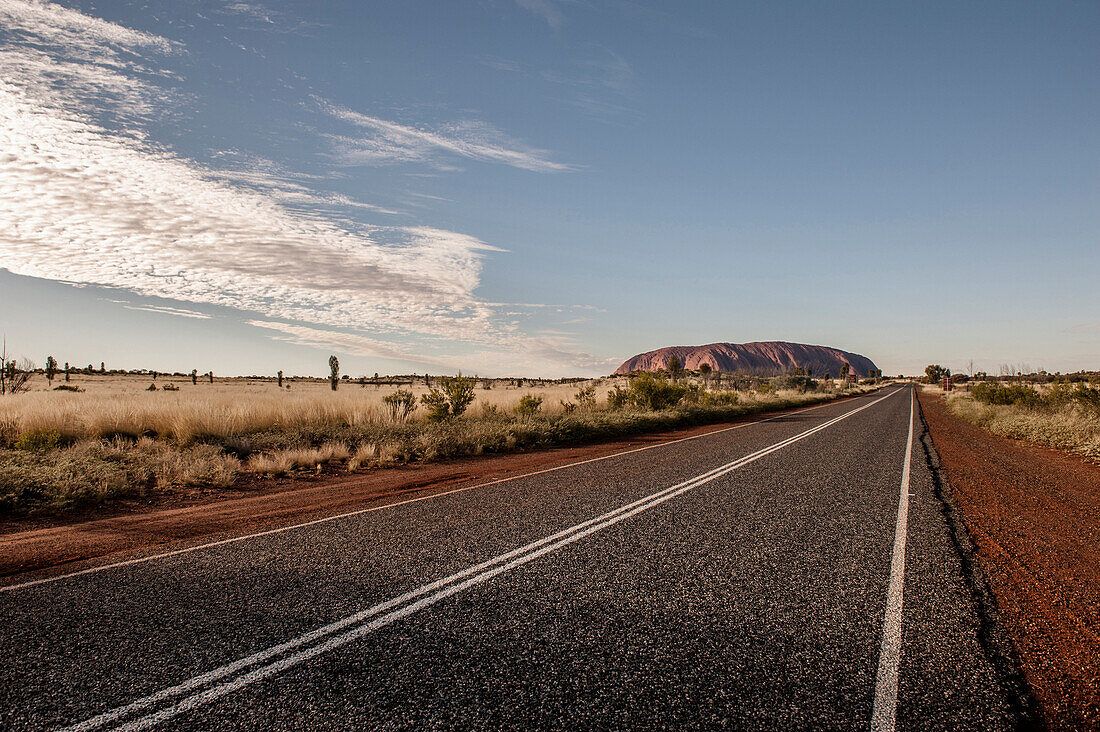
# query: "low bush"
{"points": [[655, 392], [529, 405], [451, 399], [38, 440], [1060, 395], [618, 397], [1073, 426], [988, 392]]}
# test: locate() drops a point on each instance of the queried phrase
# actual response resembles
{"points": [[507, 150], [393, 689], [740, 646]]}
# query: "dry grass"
{"points": [[1067, 428], [62, 449], [119, 406], [94, 470], [282, 462]]}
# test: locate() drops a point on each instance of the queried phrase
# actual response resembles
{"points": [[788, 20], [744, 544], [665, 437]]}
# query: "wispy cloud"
{"points": [[165, 310], [1085, 328], [499, 63], [90, 199], [349, 343], [113, 210], [515, 355], [381, 142], [600, 84], [545, 9]]}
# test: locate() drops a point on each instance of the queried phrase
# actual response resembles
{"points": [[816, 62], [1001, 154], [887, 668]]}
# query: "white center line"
{"points": [[357, 512], [209, 686], [885, 712]]}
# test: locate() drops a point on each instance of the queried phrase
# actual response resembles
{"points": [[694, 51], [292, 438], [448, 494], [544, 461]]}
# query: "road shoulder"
{"points": [[1033, 515]]}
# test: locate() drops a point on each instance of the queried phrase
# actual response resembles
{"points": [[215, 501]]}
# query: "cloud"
{"points": [[546, 10], [70, 60], [518, 355], [601, 85], [384, 142], [351, 343], [90, 199], [111, 211], [85, 203], [165, 310], [1085, 328]]}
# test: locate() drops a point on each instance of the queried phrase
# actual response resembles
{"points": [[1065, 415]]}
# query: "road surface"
{"points": [[793, 572]]}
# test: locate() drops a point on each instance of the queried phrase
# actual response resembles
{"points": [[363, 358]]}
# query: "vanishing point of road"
{"points": [[799, 571]]}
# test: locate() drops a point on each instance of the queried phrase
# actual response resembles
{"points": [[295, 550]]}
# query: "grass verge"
{"points": [[41, 471], [1067, 426]]}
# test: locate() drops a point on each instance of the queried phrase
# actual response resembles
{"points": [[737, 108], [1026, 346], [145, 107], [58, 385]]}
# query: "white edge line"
{"points": [[324, 519], [486, 569], [885, 711]]}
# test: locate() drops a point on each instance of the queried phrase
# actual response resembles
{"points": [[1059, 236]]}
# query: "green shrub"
{"points": [[618, 397], [38, 440], [988, 392], [586, 396], [720, 398], [452, 399], [529, 405], [655, 392]]}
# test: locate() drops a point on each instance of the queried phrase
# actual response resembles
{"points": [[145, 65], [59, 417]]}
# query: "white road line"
{"points": [[885, 712], [325, 519], [359, 624]]}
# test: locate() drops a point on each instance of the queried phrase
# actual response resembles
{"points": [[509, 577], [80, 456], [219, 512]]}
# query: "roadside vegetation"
{"points": [[108, 437], [1059, 414]]}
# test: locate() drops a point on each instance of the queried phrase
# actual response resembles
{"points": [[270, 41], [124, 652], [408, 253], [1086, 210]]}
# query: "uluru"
{"points": [[762, 358]]}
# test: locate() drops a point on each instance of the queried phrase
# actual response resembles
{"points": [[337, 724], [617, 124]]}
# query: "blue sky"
{"points": [[542, 187]]}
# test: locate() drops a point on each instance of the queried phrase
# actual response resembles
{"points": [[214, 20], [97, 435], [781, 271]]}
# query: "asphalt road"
{"points": [[799, 572]]}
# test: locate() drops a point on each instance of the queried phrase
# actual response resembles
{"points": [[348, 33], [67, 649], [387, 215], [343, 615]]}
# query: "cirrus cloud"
{"points": [[89, 199]]}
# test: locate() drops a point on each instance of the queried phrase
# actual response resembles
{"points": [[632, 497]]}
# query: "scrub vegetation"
{"points": [[1062, 415], [111, 436]]}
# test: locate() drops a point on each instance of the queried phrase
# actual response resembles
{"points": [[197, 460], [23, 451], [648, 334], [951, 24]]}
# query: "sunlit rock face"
{"points": [[764, 358]]}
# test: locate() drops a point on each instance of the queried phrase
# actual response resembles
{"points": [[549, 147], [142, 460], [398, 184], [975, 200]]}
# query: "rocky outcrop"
{"points": [[764, 358]]}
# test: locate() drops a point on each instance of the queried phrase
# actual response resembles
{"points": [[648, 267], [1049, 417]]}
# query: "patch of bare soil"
{"points": [[1034, 516]]}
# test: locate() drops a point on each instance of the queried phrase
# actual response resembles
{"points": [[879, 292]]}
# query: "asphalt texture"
{"points": [[754, 599]]}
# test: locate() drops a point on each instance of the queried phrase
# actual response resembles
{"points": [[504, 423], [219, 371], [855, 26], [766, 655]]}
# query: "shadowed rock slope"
{"points": [[764, 358]]}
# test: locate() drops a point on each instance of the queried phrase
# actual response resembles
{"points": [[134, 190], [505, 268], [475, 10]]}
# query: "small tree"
{"points": [[280, 379], [210, 375], [194, 376], [51, 369], [675, 367], [845, 370], [102, 367], [15, 375], [333, 372], [705, 369], [934, 372], [67, 369]]}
